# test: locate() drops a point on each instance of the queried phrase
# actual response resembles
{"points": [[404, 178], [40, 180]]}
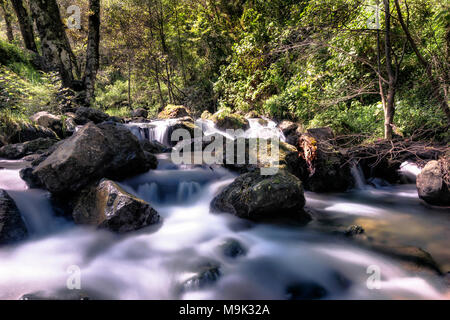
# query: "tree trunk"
{"points": [[442, 99], [8, 20], [25, 24], [389, 109], [93, 53], [55, 45]]}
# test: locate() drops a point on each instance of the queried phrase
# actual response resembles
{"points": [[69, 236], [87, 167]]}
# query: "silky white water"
{"points": [[152, 263]]}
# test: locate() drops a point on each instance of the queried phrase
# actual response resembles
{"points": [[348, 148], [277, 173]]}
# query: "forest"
{"points": [[136, 138], [344, 64]]}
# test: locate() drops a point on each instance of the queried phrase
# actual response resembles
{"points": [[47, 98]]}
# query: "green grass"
{"points": [[119, 112]]}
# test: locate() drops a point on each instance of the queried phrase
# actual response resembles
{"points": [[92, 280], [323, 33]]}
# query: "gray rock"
{"points": [[12, 227], [23, 132], [432, 185], [256, 197], [139, 113], [206, 276], [108, 150], [85, 114], [108, 206], [232, 248], [20, 150], [48, 120]]}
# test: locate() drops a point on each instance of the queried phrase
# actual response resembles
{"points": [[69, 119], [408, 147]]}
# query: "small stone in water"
{"points": [[232, 248], [354, 230], [305, 291]]}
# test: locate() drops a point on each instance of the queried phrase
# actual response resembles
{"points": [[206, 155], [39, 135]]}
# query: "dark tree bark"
{"points": [[8, 20], [25, 24], [55, 45], [93, 53], [390, 98], [427, 66]]}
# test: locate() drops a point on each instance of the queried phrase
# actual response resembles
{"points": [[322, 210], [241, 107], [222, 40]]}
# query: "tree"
{"points": [[440, 90], [55, 45], [8, 20], [93, 53], [25, 24]]}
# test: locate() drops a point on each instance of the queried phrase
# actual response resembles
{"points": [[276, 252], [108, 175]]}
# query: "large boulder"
{"points": [[12, 227], [85, 114], [107, 205], [174, 111], [20, 150], [433, 183], [107, 150], [260, 198], [139, 113], [322, 167]]}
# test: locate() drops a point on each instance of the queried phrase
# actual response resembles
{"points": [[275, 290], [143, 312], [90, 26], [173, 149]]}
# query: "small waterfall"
{"points": [[153, 131], [149, 192], [358, 176], [187, 190], [33, 204], [409, 170], [264, 128], [258, 128]]}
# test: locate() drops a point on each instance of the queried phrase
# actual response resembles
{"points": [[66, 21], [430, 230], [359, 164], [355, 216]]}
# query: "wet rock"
{"points": [[61, 294], [108, 150], [322, 167], [139, 113], [256, 197], [206, 276], [189, 126], [12, 227], [151, 160], [154, 146], [85, 114], [415, 259], [287, 156], [26, 174], [305, 291], [354, 230], [232, 248], [115, 119], [108, 206], [173, 111], [48, 120], [433, 183], [20, 150]]}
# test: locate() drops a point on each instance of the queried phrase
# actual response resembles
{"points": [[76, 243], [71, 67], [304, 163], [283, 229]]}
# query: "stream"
{"points": [[280, 261]]}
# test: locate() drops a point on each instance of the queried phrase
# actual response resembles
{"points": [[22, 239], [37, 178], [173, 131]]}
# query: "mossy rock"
{"points": [[258, 197], [206, 115], [172, 111], [223, 120]]}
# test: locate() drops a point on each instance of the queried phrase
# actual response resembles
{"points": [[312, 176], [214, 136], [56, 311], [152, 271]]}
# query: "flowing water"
{"points": [[153, 262]]}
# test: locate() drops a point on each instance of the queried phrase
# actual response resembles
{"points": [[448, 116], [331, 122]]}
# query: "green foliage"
{"points": [[112, 96], [18, 62]]}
